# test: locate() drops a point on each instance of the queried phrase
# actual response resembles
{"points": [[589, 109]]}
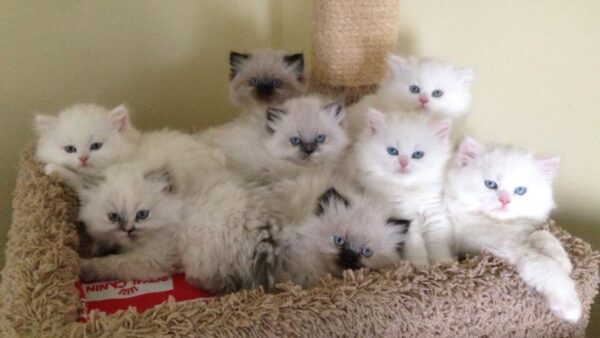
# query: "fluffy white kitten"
{"points": [[349, 231], [434, 87], [133, 209], [83, 140], [403, 157], [304, 133], [497, 197]]}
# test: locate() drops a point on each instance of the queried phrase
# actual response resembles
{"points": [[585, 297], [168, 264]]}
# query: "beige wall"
{"points": [[537, 63]]}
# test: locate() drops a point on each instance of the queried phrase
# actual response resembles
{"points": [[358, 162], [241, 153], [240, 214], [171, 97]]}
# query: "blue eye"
{"points": [[96, 146], [367, 252], [437, 93], [339, 241], [414, 89], [70, 149], [276, 83], [417, 155], [490, 184], [142, 214], [295, 141], [253, 81], [520, 190], [114, 217], [321, 138], [392, 151]]}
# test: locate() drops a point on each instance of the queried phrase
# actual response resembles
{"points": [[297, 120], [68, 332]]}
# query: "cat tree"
{"points": [[481, 296]]}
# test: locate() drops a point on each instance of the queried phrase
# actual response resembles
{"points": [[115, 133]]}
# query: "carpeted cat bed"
{"points": [[481, 296]]}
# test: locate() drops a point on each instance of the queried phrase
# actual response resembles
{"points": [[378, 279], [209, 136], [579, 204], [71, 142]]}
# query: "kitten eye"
{"points": [[392, 151], [141, 215], [339, 241], [490, 184], [70, 149], [417, 155], [437, 93], [114, 217], [321, 138], [276, 83], [295, 140], [414, 89], [367, 252], [253, 81], [96, 146], [520, 190]]}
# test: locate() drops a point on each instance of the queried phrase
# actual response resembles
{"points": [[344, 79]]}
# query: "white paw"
{"points": [[51, 169], [565, 262], [419, 261], [443, 260], [567, 308]]}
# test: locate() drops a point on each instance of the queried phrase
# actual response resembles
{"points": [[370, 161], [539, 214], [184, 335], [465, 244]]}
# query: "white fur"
{"points": [[482, 223], [416, 190]]}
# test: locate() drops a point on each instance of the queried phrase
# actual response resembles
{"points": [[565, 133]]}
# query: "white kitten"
{"points": [[305, 133], [83, 140], [135, 210], [402, 157], [434, 87], [349, 231], [497, 197]]}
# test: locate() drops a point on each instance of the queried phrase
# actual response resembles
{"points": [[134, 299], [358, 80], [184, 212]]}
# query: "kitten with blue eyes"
{"points": [[133, 209], [265, 77], [497, 198], [349, 231], [304, 134], [83, 140], [402, 157], [433, 87]]}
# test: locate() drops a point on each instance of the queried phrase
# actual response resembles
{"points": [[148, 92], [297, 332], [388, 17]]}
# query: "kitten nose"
{"points": [[349, 259], [84, 159], [264, 88], [504, 200], [403, 162], [423, 99], [309, 148]]}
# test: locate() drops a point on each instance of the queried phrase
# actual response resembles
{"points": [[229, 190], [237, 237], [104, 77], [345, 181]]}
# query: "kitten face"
{"points": [[353, 233], [129, 204], [403, 149], [428, 85], [503, 183], [265, 77], [85, 137], [306, 131]]}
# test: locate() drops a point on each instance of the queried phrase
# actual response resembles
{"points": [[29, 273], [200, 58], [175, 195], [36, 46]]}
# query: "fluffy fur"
{"points": [[134, 209], [497, 196], [260, 146], [83, 140], [402, 157], [265, 77], [434, 87], [339, 231]]}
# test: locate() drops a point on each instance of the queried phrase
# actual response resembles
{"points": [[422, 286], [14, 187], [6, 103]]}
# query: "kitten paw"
{"points": [[88, 270], [565, 262], [51, 169], [419, 261], [443, 260], [567, 308]]}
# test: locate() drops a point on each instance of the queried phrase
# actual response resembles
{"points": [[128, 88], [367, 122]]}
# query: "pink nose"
{"points": [[423, 99], [403, 162], [84, 159], [504, 200]]}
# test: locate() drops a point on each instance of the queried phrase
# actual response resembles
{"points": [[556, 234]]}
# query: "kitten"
{"points": [[434, 87], [497, 197], [402, 157], [133, 209], [342, 232], [305, 133], [265, 77], [83, 140]]}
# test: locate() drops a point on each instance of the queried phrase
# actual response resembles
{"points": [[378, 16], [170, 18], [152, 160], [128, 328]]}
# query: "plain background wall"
{"points": [[537, 71]]}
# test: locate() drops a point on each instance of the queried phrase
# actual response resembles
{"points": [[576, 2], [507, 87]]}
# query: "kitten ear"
{"points": [[328, 198], [548, 166], [441, 129], [468, 150], [44, 124], [336, 111], [397, 65], [274, 115], [235, 62], [375, 120], [161, 176], [465, 75], [296, 62], [402, 224], [119, 118]]}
